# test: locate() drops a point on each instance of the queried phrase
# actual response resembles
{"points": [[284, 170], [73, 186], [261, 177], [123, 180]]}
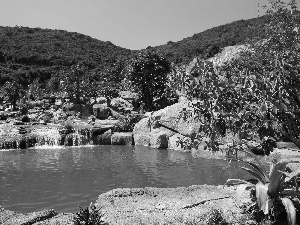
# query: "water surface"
{"points": [[62, 178]]}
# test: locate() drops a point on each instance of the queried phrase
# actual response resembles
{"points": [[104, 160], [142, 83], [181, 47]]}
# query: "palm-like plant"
{"points": [[271, 188]]}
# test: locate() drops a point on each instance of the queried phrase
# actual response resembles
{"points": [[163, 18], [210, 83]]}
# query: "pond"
{"points": [[62, 178]]}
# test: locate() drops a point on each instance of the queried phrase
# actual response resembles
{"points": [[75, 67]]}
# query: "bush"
{"points": [[3, 116], [47, 118], [25, 119], [68, 127], [215, 217], [88, 216], [126, 123]]}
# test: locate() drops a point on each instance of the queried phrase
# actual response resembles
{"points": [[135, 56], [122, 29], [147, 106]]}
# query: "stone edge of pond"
{"points": [[148, 205], [182, 205]]}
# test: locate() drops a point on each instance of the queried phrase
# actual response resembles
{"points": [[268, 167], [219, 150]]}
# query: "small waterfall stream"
{"points": [[53, 136]]}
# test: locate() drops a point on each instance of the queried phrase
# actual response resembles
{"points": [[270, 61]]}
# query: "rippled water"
{"points": [[62, 178]]}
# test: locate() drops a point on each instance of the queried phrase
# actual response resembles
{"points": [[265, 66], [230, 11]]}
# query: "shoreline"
{"points": [[143, 206]]}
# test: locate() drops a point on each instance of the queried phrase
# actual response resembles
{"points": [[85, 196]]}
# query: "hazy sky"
{"points": [[133, 24]]}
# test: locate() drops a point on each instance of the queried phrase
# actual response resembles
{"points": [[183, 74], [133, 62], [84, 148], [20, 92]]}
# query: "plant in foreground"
{"points": [[270, 191], [88, 216]]}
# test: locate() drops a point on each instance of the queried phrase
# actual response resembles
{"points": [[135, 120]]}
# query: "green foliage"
{"points": [[88, 216], [13, 91], [25, 119], [148, 73], [256, 93], [38, 59], [126, 123], [215, 217], [209, 42], [68, 127], [270, 189]]}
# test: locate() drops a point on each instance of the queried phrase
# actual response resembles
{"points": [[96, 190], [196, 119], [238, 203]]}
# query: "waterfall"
{"points": [[56, 136]]}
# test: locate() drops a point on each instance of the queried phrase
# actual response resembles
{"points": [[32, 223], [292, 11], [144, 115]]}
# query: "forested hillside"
{"points": [[210, 42], [39, 59]]}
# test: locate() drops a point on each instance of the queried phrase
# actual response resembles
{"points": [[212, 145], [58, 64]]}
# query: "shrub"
{"points": [[126, 123], [270, 192], [88, 216], [215, 216], [47, 118], [25, 119], [148, 76], [68, 127]]}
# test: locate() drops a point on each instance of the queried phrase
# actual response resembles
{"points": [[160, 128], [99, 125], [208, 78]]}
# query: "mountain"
{"points": [[38, 53], [210, 42], [30, 55]]}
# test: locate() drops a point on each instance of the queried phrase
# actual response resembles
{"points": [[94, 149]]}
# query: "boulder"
{"points": [[128, 95], [9, 217], [120, 104], [122, 138], [101, 111], [103, 139], [159, 139], [177, 118], [181, 205], [101, 100], [142, 139]]}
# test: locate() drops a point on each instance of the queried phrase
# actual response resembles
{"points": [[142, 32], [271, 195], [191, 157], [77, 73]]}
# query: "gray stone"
{"points": [[159, 139], [142, 139], [101, 111], [120, 104], [103, 139], [101, 100], [182, 205], [12, 218], [122, 138], [171, 117]]}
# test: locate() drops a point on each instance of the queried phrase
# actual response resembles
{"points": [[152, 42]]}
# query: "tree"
{"points": [[75, 83], [256, 93], [148, 75], [14, 91]]}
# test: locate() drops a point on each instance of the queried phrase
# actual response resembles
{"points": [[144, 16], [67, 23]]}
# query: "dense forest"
{"points": [[43, 58]]}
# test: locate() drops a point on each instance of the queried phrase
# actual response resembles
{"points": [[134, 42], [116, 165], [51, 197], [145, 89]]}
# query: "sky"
{"points": [[132, 24]]}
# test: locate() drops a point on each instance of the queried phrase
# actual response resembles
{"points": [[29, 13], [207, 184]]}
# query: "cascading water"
{"points": [[38, 136]]}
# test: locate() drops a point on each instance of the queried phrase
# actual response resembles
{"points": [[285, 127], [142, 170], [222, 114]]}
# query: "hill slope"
{"points": [[210, 42], [35, 54]]}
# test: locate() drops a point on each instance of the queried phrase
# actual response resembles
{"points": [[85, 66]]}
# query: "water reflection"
{"points": [[35, 179]]}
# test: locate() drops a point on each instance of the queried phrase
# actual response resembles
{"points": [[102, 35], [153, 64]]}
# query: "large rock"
{"points": [[179, 118], [103, 139], [159, 139], [182, 205], [122, 138], [101, 100], [128, 95], [101, 111], [12, 218], [120, 104]]}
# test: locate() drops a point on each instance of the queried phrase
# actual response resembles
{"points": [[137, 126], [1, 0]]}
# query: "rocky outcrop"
{"points": [[159, 138], [229, 53], [101, 111], [12, 218], [121, 104], [103, 139], [122, 138], [101, 100], [178, 118], [182, 205]]}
